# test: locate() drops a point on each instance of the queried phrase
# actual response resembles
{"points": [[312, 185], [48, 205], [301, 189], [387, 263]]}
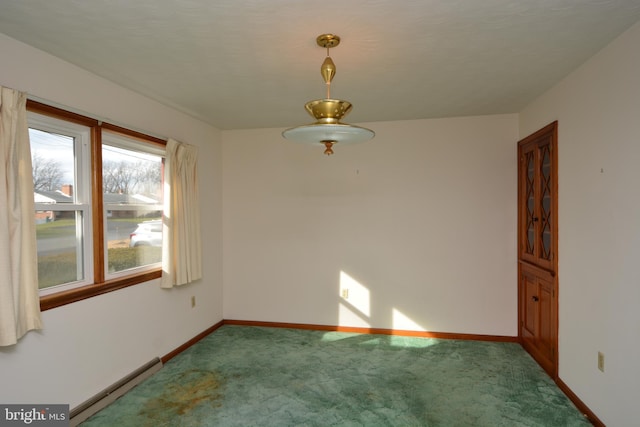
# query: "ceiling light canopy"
{"points": [[328, 130]]}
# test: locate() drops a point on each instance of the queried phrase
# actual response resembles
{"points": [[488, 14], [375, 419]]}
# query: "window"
{"points": [[132, 199], [98, 205], [62, 196]]}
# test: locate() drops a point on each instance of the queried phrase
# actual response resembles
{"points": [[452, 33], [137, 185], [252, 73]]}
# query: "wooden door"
{"points": [[538, 246], [530, 328], [538, 310], [538, 210]]}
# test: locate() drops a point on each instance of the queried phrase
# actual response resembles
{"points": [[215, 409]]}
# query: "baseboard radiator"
{"points": [[107, 396]]}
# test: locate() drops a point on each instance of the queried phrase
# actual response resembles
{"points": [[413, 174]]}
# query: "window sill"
{"points": [[78, 294]]}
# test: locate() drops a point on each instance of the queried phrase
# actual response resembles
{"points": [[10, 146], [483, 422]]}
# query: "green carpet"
{"points": [[254, 376]]}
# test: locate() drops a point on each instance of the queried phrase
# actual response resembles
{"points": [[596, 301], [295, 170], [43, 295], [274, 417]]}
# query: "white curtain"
{"points": [[181, 244], [19, 297]]}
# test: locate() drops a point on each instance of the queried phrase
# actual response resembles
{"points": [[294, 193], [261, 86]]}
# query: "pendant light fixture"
{"points": [[328, 130]]}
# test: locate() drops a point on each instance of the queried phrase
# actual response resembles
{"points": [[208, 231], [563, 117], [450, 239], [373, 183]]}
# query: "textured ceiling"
{"points": [[254, 63]]}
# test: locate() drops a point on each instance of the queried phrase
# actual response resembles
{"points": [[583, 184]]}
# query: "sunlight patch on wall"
{"points": [[404, 322], [355, 293], [355, 302]]}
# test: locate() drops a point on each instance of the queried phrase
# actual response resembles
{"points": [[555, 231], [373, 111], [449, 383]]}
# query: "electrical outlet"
{"points": [[601, 361], [345, 293], [193, 301]]}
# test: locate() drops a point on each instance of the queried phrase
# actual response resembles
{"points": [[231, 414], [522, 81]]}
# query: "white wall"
{"points": [[419, 223], [88, 345], [598, 109]]}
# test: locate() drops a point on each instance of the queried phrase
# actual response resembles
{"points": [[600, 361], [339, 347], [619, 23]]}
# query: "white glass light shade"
{"points": [[319, 133]]}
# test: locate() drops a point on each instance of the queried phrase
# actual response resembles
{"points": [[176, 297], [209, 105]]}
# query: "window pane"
{"points": [[52, 159], [131, 177], [132, 187], [59, 241], [134, 239]]}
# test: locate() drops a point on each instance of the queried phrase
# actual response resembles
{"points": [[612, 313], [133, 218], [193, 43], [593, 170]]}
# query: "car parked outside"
{"points": [[148, 233]]}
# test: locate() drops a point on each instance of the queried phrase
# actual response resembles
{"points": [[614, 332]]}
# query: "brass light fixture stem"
{"points": [[328, 83], [328, 68]]}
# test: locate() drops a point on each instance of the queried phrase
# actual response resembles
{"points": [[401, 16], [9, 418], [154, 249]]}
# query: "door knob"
{"points": [[535, 298]]}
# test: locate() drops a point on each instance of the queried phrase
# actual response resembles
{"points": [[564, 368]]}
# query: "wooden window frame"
{"points": [[100, 285]]}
